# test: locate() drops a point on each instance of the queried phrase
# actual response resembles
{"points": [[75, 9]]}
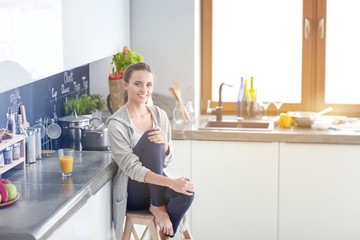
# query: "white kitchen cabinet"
{"points": [[181, 167], [91, 221], [319, 195], [236, 190]]}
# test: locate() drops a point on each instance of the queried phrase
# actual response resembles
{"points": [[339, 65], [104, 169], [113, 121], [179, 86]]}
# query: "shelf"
{"points": [[16, 164]]}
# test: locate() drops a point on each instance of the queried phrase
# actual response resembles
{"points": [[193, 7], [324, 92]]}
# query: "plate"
{"points": [[8, 204]]}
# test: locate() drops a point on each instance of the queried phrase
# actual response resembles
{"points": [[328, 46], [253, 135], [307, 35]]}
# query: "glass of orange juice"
{"points": [[66, 157]]}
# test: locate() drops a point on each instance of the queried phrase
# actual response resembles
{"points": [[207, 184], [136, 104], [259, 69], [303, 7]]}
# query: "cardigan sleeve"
{"points": [[123, 154]]}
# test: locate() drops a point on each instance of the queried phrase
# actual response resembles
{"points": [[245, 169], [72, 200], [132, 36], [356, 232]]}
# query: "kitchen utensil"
{"points": [[177, 93], [23, 117], [53, 130], [95, 138], [326, 110], [71, 126], [306, 119]]}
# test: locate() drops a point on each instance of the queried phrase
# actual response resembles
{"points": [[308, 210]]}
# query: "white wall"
{"points": [[166, 33]]}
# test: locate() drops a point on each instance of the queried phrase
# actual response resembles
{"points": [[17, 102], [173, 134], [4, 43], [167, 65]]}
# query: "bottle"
{"points": [[245, 102], [241, 91], [252, 98], [252, 90]]}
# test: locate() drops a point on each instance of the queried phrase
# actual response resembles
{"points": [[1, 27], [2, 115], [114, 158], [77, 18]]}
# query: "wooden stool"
{"points": [[144, 217]]}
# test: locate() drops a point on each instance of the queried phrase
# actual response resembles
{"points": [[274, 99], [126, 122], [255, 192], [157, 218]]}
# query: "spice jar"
{"points": [[1, 159], [30, 149], [16, 151], [7, 152]]}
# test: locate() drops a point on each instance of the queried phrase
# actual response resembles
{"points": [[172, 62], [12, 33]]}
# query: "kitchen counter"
{"points": [[190, 131], [46, 199]]}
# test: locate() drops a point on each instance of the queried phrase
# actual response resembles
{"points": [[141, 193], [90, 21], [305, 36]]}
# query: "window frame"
{"points": [[313, 65]]}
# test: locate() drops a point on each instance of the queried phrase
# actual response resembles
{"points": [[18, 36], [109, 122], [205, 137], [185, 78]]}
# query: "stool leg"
{"points": [[127, 231], [187, 235], [154, 231]]}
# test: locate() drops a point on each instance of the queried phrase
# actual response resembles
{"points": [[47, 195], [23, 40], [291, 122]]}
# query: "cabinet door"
{"points": [[181, 167], [319, 195], [236, 190], [91, 221]]}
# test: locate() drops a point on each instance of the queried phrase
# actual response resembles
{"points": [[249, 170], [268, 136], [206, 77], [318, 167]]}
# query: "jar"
{"points": [[1, 159], [7, 152], [177, 114], [37, 143], [16, 151], [31, 149]]}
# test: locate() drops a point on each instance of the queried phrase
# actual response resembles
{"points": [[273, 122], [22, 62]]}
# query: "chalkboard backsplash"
{"points": [[46, 97]]}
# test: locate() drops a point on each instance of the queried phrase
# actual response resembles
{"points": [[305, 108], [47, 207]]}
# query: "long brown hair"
{"points": [[139, 66]]}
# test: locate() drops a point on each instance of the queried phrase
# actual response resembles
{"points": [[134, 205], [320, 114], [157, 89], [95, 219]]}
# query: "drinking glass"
{"points": [[266, 105], [66, 158], [278, 106]]}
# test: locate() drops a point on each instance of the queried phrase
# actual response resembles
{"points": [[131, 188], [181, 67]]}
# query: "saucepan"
{"points": [[95, 138], [306, 119]]}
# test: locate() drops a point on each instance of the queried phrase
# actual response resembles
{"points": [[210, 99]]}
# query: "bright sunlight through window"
{"points": [[260, 39]]}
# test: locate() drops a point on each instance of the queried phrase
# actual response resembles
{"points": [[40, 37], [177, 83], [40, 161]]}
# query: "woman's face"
{"points": [[140, 86]]}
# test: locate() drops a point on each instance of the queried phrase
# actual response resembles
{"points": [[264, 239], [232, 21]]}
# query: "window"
{"points": [[282, 45]]}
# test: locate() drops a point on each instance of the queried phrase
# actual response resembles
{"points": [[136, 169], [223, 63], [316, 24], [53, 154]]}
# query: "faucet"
{"points": [[218, 111]]}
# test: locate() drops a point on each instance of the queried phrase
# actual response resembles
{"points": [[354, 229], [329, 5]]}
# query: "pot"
{"points": [[71, 126], [95, 138]]}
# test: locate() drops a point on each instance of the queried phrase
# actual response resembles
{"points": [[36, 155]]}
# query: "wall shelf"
{"points": [[16, 164]]}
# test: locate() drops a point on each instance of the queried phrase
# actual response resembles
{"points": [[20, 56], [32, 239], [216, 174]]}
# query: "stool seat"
{"points": [[144, 217]]}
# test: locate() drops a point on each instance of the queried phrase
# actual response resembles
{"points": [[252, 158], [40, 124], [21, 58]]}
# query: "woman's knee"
{"points": [[188, 199], [151, 146]]}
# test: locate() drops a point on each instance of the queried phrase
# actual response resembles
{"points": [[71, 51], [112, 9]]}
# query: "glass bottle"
{"points": [[245, 102], [252, 98], [240, 94]]}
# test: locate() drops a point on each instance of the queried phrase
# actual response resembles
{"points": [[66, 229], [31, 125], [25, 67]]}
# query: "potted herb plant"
{"points": [[85, 105]]}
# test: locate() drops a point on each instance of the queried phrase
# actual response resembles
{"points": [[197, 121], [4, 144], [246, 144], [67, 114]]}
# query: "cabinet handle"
{"points": [[307, 28], [321, 27]]}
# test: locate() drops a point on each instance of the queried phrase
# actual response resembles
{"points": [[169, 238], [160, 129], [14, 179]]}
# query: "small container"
{"points": [[7, 152], [177, 114], [2, 163], [37, 143], [16, 151], [31, 149]]}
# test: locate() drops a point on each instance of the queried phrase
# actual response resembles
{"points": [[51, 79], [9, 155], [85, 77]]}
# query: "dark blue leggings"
{"points": [[140, 195]]}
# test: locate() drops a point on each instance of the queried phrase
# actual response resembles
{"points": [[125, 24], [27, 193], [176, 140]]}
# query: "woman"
{"points": [[140, 139]]}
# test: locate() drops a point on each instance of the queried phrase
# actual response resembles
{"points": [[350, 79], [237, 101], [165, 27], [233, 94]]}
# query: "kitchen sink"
{"points": [[232, 124]]}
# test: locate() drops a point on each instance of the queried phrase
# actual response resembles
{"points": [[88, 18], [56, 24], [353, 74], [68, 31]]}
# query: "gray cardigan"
{"points": [[120, 131]]}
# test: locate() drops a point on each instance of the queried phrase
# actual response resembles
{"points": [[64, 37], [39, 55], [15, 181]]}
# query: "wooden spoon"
{"points": [[25, 123], [177, 92]]}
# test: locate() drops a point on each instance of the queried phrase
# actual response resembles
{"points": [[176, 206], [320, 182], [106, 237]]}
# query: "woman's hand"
{"points": [[183, 185], [159, 137]]}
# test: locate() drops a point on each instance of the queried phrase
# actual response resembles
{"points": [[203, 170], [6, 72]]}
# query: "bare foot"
{"points": [[163, 236], [162, 219]]}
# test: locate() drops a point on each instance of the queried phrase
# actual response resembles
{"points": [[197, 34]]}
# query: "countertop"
{"points": [[46, 199], [190, 131]]}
